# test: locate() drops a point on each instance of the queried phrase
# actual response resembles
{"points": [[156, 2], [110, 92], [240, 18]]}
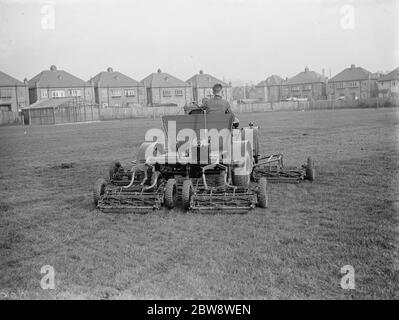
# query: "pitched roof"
{"points": [[8, 81], [352, 73], [393, 75], [162, 79], [306, 77], [114, 79], [204, 80], [54, 78], [273, 80]]}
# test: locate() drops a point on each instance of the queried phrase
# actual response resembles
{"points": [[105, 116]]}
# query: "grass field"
{"points": [[294, 249]]}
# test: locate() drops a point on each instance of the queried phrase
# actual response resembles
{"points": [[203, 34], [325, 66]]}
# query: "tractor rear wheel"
{"points": [[113, 168], [98, 190], [171, 194], [310, 172], [187, 193], [262, 193]]}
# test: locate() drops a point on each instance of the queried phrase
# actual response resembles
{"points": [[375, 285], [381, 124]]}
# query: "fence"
{"points": [[137, 111], [10, 117]]}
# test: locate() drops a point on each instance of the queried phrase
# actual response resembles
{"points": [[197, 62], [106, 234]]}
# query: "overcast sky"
{"points": [[231, 39]]}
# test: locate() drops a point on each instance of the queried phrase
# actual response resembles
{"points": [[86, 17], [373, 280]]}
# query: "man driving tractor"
{"points": [[217, 104]]}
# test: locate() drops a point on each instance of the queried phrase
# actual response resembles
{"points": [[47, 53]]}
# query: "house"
{"points": [[163, 89], [202, 85], [353, 83], [388, 85], [54, 83], [269, 90], [13, 93], [114, 89], [306, 84]]}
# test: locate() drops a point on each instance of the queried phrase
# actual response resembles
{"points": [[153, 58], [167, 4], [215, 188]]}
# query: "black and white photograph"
{"points": [[199, 156]]}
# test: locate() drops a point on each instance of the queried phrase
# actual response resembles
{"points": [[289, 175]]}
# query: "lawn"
{"points": [[292, 250]]}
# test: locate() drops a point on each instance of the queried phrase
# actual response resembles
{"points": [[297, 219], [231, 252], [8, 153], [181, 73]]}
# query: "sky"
{"points": [[235, 40]]}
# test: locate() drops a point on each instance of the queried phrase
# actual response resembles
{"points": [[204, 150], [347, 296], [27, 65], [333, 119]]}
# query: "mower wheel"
{"points": [[171, 194], [262, 193], [310, 172], [98, 190], [187, 193], [113, 168]]}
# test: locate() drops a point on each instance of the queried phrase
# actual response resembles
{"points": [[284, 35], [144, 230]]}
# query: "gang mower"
{"points": [[197, 172]]}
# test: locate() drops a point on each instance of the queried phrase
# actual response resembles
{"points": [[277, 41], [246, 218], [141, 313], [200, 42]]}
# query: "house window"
{"points": [[307, 87], [130, 93], [166, 93], [116, 93], [294, 88], [104, 93], [105, 105], [44, 93], [75, 93], [340, 85], [352, 84], [178, 92], [58, 94], [5, 94], [5, 107]]}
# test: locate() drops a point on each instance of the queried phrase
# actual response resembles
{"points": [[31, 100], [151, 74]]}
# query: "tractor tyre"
{"points": [[113, 168], [262, 193], [171, 194], [187, 193], [310, 171], [98, 190]]}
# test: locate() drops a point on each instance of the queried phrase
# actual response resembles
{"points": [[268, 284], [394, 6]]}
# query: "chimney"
{"points": [[352, 66], [53, 68], [159, 71], [306, 69], [109, 69], [201, 72]]}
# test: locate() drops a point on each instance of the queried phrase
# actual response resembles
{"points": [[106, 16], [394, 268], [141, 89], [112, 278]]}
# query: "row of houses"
{"points": [[107, 89], [351, 83], [114, 89]]}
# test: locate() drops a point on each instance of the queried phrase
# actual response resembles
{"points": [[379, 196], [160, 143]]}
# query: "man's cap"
{"points": [[217, 87]]}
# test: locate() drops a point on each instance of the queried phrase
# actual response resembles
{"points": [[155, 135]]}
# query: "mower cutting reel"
{"points": [[129, 191], [272, 168]]}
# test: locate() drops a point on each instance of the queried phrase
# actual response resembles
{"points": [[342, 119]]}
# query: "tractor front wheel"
{"points": [[171, 194], [187, 193], [262, 193], [98, 190]]}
